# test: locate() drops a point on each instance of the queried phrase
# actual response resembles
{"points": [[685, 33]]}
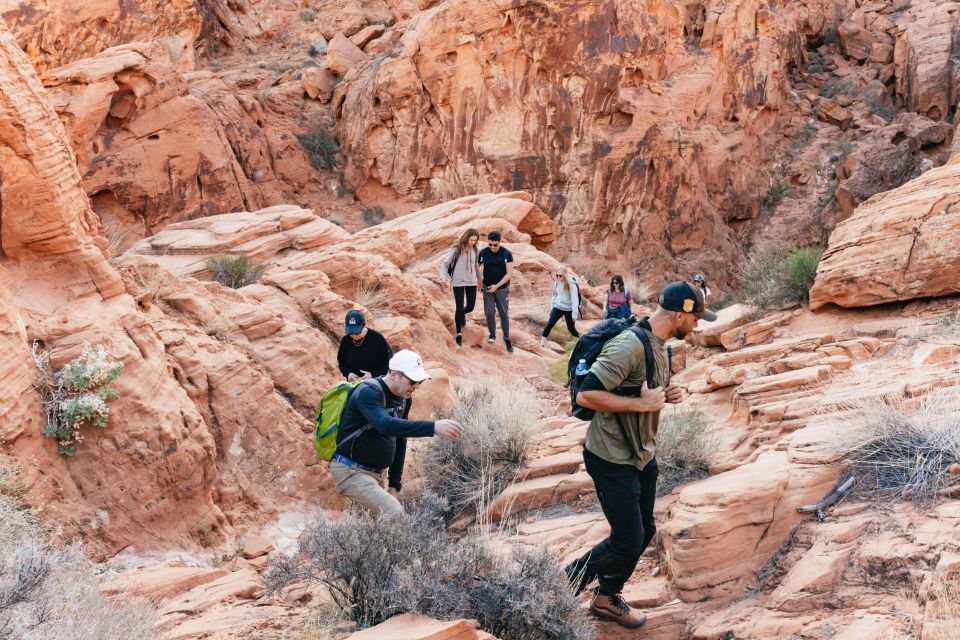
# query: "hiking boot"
{"points": [[459, 340], [543, 342], [614, 608], [491, 339], [509, 346]]}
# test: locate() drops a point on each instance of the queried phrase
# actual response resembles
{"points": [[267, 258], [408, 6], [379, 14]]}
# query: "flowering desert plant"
{"points": [[77, 394]]}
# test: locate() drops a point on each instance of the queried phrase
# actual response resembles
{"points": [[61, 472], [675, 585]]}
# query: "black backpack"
{"points": [[590, 345], [453, 263]]}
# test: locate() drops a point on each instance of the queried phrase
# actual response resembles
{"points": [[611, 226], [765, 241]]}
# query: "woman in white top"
{"points": [[564, 302], [701, 283], [460, 269]]}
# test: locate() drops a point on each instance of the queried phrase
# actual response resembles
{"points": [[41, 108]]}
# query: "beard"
{"points": [[680, 333]]}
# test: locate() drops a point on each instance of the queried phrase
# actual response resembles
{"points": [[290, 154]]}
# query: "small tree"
{"points": [[77, 394]]}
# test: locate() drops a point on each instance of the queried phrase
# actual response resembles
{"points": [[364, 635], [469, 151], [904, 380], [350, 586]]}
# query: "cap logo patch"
{"points": [[688, 305]]}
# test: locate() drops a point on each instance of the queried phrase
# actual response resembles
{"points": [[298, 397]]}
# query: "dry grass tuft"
{"points": [[684, 448]]}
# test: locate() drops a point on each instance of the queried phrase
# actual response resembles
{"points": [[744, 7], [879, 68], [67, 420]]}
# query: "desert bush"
{"points": [[838, 87], [376, 568], [775, 194], [684, 448], [370, 296], [499, 434], [321, 148], [776, 276], [233, 271], [309, 14], [76, 395], [943, 620], [374, 215], [900, 449], [885, 111]]}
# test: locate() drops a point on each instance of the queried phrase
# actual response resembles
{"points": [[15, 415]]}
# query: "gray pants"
{"points": [[497, 302], [364, 488]]}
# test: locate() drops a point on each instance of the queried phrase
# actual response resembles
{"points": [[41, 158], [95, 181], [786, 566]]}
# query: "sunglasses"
{"points": [[415, 383]]}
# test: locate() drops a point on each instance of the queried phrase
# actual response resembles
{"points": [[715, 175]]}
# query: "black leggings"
{"points": [[465, 298], [555, 317]]}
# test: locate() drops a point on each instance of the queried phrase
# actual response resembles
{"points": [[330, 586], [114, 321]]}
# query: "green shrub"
{"points": [[234, 271], [774, 195], [557, 370], [684, 448], [376, 568], [885, 111], [76, 395], [321, 148], [776, 276], [374, 215], [901, 449], [499, 434]]}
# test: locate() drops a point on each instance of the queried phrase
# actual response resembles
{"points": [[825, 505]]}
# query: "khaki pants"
{"points": [[365, 488]]}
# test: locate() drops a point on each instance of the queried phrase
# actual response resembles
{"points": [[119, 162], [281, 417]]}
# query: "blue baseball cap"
{"points": [[355, 322], [686, 298]]}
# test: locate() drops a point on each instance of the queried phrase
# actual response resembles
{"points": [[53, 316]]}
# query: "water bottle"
{"points": [[582, 369]]}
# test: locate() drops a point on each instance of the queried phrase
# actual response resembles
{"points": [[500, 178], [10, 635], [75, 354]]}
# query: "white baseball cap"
{"points": [[409, 364]]}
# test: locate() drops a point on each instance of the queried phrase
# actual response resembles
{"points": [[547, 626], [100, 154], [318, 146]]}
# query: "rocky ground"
{"points": [[664, 138]]}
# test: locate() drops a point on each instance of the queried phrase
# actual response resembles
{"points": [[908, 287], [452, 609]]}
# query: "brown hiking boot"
{"points": [[614, 608]]}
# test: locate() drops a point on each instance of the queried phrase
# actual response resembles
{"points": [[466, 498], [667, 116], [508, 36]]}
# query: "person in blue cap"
{"points": [[364, 352], [620, 446]]}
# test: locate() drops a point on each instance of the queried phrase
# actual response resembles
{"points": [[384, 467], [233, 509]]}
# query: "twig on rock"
{"points": [[843, 486]]}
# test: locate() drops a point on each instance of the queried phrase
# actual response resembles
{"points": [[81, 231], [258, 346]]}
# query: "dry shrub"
{"points": [[499, 433], [684, 448], [900, 449], [375, 568], [943, 619], [776, 276], [370, 296], [48, 592]]}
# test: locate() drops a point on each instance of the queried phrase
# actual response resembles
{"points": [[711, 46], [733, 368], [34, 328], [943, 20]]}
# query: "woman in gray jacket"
{"points": [[460, 269], [564, 302]]}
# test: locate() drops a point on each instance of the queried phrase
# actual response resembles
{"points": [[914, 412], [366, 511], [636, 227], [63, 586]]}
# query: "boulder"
{"points": [[343, 55], [318, 83], [408, 626]]}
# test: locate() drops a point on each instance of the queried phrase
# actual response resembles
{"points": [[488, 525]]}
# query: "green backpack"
{"points": [[329, 412]]}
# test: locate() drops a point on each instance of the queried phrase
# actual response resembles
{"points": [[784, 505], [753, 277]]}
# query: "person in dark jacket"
{"points": [[372, 438], [364, 353]]}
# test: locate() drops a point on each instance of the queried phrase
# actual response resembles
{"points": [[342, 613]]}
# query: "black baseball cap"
{"points": [[683, 296], [355, 322]]}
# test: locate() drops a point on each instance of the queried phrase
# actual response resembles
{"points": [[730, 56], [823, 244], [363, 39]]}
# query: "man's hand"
{"points": [[352, 376], [673, 394], [366, 375], [447, 429], [492, 288], [393, 491], [650, 400]]}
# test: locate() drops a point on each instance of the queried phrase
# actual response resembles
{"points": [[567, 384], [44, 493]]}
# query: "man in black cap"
{"points": [[363, 353], [620, 446]]}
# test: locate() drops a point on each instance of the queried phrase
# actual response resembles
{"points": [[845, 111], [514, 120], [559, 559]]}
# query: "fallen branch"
{"points": [[842, 488]]}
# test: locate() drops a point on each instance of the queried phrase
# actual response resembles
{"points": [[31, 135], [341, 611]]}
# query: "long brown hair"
{"points": [[465, 238]]}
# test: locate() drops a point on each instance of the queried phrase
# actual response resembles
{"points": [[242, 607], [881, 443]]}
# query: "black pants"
{"points": [[555, 315], [465, 298], [626, 496]]}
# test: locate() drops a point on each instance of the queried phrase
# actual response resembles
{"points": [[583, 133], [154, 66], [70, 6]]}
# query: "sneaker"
{"points": [[543, 342], [459, 340], [614, 608], [491, 339], [509, 346]]}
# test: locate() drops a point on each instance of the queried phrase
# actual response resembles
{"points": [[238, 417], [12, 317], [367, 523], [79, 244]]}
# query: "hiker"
{"points": [[618, 299], [565, 303], [373, 432], [701, 283], [459, 268], [363, 353], [620, 446], [496, 260]]}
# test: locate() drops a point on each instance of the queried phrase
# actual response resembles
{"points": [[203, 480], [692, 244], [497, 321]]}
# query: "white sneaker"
{"points": [[543, 342], [491, 339]]}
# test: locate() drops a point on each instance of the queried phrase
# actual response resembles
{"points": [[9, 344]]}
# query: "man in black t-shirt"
{"points": [[363, 353], [496, 260], [372, 438]]}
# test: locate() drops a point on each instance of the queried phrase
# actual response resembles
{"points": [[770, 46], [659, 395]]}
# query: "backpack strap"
{"points": [[647, 354]]}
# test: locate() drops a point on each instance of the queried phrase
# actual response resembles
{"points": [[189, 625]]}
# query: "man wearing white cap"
{"points": [[372, 438]]}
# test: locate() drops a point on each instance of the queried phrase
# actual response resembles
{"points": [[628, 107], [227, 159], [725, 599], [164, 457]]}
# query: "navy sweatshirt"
{"points": [[382, 415]]}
